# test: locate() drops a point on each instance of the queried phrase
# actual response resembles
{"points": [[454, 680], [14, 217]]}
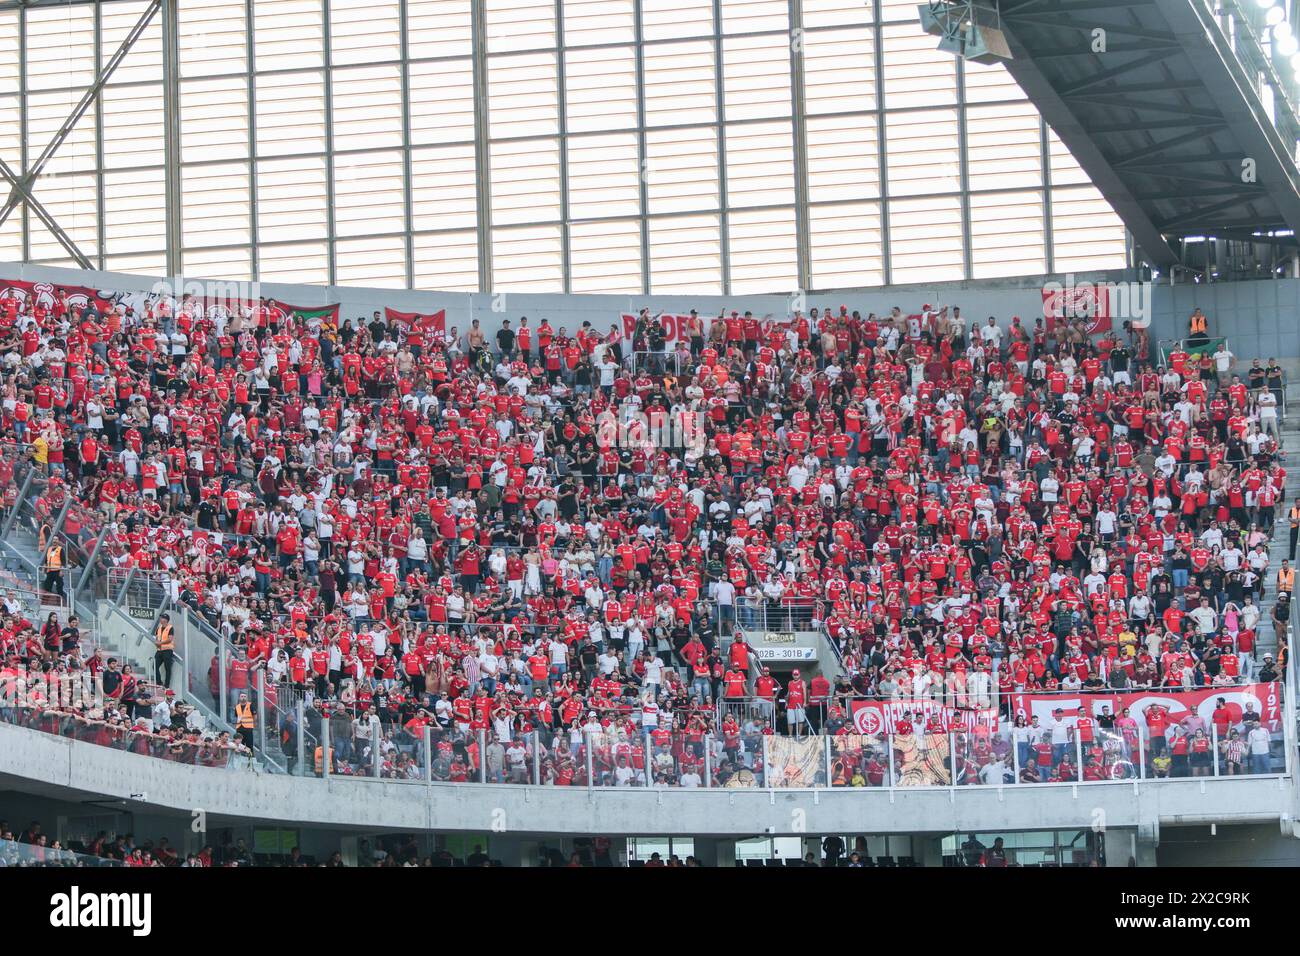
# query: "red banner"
{"points": [[138, 300], [431, 322], [47, 293], [1264, 699], [883, 716], [1079, 301], [675, 326]]}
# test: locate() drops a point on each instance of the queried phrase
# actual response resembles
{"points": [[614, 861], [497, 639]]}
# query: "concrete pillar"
{"points": [[618, 851], [715, 851], [1121, 844], [1145, 841], [706, 851], [928, 850], [508, 849]]}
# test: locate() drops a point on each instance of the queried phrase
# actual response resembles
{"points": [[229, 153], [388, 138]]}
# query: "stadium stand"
{"points": [[534, 559]]}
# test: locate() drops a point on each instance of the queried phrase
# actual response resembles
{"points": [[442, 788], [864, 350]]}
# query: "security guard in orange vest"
{"points": [[1199, 324], [1285, 579], [164, 640], [1295, 527], [244, 722], [53, 582]]}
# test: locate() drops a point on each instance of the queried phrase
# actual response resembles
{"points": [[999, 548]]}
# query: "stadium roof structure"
{"points": [[1163, 104], [724, 147]]}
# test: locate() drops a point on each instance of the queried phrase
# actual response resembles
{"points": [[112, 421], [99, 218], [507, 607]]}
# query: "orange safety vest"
{"points": [[1198, 324], [54, 558], [1286, 579], [165, 640], [244, 716]]}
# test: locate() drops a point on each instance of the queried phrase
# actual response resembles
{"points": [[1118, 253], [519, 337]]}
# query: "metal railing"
{"points": [[657, 363], [93, 727], [138, 589], [97, 589], [779, 615], [13, 853], [743, 755], [1166, 347]]}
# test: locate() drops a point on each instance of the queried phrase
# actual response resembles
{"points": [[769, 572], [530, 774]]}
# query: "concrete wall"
{"points": [[64, 769], [1260, 318], [1260, 845]]}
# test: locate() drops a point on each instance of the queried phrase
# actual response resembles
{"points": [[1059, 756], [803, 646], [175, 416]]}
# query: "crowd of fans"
{"points": [[425, 528], [52, 682], [33, 847]]}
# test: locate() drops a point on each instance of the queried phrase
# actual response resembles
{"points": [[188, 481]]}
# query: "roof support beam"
{"points": [[1113, 48], [1197, 215], [43, 215], [34, 170], [1104, 98], [1056, 7], [1246, 193], [1137, 126], [1055, 21], [1256, 235], [1207, 158], [172, 185], [1212, 181], [1155, 149], [1084, 145], [1149, 87], [1114, 71], [1233, 90]]}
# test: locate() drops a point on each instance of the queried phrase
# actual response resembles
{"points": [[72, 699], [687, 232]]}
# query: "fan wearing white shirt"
{"points": [[649, 713]]}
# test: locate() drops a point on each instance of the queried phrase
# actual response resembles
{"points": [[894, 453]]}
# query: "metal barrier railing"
{"points": [[13, 853], [94, 727], [731, 755], [782, 614], [1205, 345], [657, 363]]}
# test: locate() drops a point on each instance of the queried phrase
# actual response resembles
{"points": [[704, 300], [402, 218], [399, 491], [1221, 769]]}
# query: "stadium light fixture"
{"points": [[970, 30], [1265, 4], [1274, 16], [1286, 45], [1282, 29]]}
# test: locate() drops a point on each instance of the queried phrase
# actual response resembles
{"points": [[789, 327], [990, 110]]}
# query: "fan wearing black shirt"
{"points": [[506, 340], [1119, 359]]}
